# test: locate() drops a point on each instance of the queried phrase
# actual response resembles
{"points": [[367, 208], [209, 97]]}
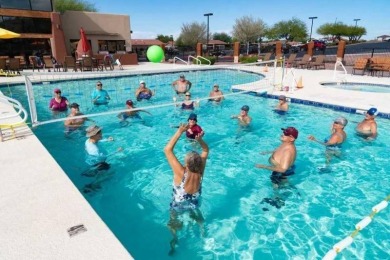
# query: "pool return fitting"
{"points": [[340, 246]]}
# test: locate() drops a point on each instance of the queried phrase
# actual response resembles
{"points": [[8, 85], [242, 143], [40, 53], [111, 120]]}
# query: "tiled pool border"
{"points": [[313, 103]]}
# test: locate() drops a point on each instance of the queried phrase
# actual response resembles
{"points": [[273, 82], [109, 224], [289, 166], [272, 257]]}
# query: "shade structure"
{"points": [[83, 47], [5, 34]]}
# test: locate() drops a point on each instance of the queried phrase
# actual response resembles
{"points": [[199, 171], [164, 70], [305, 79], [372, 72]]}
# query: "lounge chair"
{"points": [[304, 62], [267, 56], [3, 64], [70, 62], [34, 63], [290, 61], [23, 63], [87, 64], [14, 64], [360, 64], [319, 62]]}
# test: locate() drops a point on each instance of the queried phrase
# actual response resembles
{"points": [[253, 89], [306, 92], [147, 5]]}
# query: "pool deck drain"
{"points": [[44, 216]]}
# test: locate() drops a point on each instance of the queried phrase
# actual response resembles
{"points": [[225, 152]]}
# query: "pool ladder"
{"points": [[19, 110]]}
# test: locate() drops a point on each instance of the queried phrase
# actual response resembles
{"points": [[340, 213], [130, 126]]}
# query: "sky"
{"points": [[148, 18]]}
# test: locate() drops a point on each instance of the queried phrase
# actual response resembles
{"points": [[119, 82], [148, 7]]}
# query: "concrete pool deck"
{"points": [[39, 203]]}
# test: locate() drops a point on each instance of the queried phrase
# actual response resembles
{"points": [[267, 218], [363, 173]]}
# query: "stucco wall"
{"points": [[97, 26]]}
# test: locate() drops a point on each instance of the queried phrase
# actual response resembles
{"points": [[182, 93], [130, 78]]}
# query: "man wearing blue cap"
{"points": [[243, 118], [368, 128]]}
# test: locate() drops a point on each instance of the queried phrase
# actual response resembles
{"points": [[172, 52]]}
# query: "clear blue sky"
{"points": [[151, 17]]}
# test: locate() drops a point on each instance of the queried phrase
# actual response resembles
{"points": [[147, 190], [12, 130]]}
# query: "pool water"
{"points": [[321, 204], [365, 87]]}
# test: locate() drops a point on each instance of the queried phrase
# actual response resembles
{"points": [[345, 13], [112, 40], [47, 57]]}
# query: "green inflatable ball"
{"points": [[155, 54]]}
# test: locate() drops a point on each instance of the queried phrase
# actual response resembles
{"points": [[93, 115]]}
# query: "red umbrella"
{"points": [[83, 47]]}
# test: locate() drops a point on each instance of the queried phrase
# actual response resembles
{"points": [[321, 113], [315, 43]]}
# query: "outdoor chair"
{"points": [[14, 64], [34, 63], [319, 62], [87, 64], [23, 63], [290, 61], [70, 63], [3, 64], [304, 62], [360, 64], [50, 65], [117, 58], [267, 56]]}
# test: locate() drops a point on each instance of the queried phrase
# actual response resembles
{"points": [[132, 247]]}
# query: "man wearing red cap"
{"points": [[283, 158]]}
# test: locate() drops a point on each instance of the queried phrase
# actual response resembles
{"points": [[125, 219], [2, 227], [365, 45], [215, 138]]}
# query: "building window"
{"points": [[26, 24], [35, 5], [111, 46]]}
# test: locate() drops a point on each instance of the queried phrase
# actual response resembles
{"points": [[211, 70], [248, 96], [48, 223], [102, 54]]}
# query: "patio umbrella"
{"points": [[5, 34], [83, 47]]}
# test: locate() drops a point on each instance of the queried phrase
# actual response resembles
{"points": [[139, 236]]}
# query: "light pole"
{"points": [[356, 20], [207, 36], [311, 28]]}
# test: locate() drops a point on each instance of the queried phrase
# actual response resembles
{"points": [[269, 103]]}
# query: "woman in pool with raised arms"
{"points": [[187, 181]]}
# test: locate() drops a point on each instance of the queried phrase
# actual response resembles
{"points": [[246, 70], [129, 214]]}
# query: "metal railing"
{"points": [[198, 61], [203, 58], [18, 109], [177, 58]]}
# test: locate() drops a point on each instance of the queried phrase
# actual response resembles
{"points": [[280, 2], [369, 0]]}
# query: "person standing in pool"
{"points": [[216, 95], [187, 182], [194, 129], [243, 118], [143, 92], [181, 86], [133, 113], [368, 127], [99, 95], [188, 104], [72, 124], [95, 155], [282, 106], [283, 158], [58, 103], [334, 141]]}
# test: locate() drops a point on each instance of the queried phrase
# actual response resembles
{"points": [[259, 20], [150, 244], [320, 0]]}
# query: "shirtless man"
{"points": [[243, 117], [282, 105], [283, 158], [216, 95], [72, 124], [181, 86], [368, 128]]}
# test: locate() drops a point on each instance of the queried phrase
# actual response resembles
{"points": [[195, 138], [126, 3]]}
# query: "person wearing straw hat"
{"points": [[96, 156], [368, 127], [216, 95]]}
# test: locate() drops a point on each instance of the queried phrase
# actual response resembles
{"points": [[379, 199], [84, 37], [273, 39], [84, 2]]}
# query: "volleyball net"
{"points": [[78, 87]]}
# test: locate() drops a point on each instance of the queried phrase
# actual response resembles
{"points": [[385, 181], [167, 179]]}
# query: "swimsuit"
{"points": [[189, 107], [144, 95], [334, 147], [61, 106], [181, 200], [280, 112], [278, 177], [125, 116]]}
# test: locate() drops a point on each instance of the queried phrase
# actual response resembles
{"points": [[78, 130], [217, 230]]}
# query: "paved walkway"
{"points": [[39, 205]]}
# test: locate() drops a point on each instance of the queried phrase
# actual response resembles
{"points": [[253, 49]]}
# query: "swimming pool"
{"points": [[321, 207], [355, 86]]}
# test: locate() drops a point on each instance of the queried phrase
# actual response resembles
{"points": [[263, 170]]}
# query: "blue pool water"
{"points": [[365, 87], [321, 206]]}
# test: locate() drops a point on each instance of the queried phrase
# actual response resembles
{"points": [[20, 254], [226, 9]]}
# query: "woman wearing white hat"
{"points": [[143, 92]]}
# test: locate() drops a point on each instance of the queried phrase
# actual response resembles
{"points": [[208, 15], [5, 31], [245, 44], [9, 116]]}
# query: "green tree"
{"points": [[73, 5], [164, 38], [222, 37], [247, 30], [193, 33], [337, 30], [293, 29]]}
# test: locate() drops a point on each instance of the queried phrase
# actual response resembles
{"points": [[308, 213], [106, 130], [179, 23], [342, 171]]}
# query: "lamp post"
{"points": [[356, 20], [207, 36], [311, 28]]}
